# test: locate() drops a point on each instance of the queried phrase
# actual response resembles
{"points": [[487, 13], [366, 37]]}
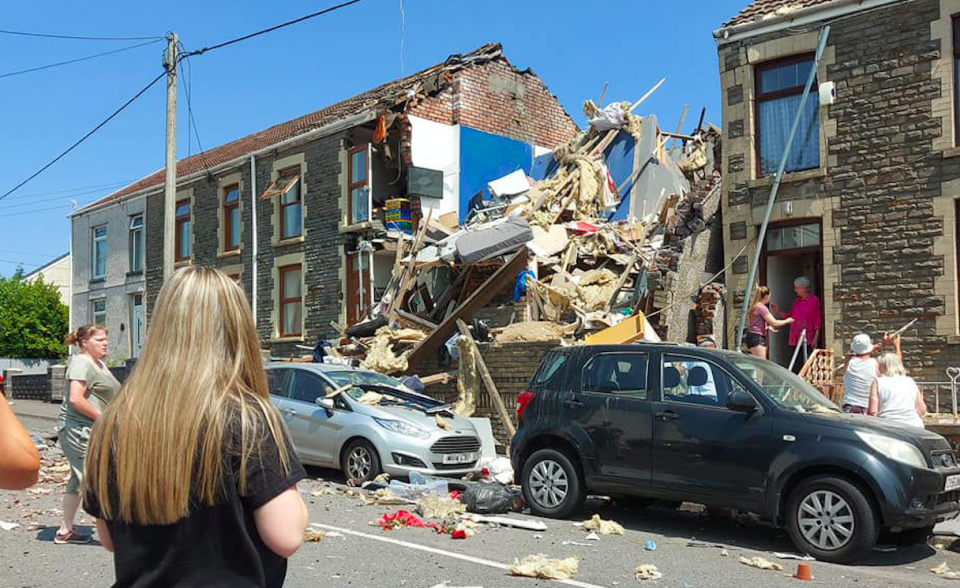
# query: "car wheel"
{"points": [[551, 484], [361, 463], [831, 519], [917, 536]]}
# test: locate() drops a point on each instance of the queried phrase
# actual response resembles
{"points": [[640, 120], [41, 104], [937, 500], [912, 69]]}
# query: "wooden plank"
{"points": [[622, 281], [647, 95], [488, 382], [415, 319], [408, 274], [480, 297], [441, 378]]}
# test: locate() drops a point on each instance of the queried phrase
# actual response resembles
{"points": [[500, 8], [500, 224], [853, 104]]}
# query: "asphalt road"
{"points": [[418, 558]]}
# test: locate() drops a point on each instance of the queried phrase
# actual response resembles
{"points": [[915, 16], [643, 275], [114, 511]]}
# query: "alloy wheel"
{"points": [[359, 463], [549, 483], [826, 520]]}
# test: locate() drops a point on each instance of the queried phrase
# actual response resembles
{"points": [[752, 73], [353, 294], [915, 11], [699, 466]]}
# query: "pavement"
{"points": [[690, 547]]}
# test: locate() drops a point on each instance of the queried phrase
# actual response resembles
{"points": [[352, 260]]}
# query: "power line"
{"points": [[77, 60], [75, 37], [32, 253], [21, 263], [71, 195], [45, 209], [273, 28], [192, 123], [77, 190], [85, 137]]}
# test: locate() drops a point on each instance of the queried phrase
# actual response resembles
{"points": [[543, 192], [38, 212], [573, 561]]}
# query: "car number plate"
{"points": [[953, 482], [452, 458]]}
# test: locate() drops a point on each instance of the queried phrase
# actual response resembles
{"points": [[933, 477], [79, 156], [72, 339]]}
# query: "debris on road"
{"points": [[944, 571], [603, 527], [647, 572], [760, 563], [507, 522], [651, 546], [593, 536], [540, 566], [485, 498], [433, 506], [8, 526], [796, 556], [403, 518]]}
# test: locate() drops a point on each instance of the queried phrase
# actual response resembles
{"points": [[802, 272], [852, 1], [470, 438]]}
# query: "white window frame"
{"points": [[136, 247], [94, 313], [99, 242]]}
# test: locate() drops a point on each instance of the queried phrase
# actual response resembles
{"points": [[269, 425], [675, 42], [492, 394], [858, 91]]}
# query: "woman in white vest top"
{"points": [[895, 395]]}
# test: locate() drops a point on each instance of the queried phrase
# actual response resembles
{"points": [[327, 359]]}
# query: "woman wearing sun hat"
{"points": [[860, 371]]}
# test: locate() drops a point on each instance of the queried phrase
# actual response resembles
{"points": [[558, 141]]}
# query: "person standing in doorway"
{"points": [[762, 320], [805, 313], [91, 388], [191, 474]]}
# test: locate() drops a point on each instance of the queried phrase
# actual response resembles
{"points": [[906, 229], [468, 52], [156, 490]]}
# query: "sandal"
{"points": [[73, 537]]}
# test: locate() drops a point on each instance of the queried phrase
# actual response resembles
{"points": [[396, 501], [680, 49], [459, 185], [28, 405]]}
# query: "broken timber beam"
{"points": [[480, 297], [412, 318], [441, 378], [627, 271], [488, 382], [408, 275]]}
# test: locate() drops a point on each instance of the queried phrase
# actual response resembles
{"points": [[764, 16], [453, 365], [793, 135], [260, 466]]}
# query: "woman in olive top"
{"points": [[92, 387]]}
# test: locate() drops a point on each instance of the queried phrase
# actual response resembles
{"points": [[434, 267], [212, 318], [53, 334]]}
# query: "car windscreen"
{"points": [[360, 377], [788, 390]]}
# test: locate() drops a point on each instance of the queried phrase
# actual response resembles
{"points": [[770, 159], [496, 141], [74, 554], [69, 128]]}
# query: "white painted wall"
{"points": [[56, 273], [435, 145]]}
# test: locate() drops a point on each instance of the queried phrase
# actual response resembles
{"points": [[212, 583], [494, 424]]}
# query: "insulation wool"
{"points": [[380, 355], [595, 289], [603, 527], [434, 506], [468, 379], [539, 566], [531, 331]]}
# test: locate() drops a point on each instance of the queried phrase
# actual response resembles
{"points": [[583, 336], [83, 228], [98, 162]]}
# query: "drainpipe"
{"points": [[824, 33], [253, 210]]}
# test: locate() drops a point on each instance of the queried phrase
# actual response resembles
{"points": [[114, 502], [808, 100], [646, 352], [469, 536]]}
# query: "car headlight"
{"points": [[402, 427], [894, 449]]}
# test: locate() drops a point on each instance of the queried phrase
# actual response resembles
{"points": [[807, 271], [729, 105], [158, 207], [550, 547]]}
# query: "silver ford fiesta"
{"points": [[373, 427]]}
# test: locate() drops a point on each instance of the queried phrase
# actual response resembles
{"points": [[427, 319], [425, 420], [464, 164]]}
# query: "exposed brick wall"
{"points": [[883, 176], [496, 98], [511, 366]]}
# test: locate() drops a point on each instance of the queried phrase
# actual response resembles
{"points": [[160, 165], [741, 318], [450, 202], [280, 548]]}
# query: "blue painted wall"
{"points": [[484, 157]]}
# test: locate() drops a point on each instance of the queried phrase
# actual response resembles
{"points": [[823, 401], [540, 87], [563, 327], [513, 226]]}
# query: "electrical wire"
{"points": [[80, 189], [71, 195], [77, 60], [85, 137], [403, 26], [187, 88], [21, 263], [75, 37], [273, 28], [31, 253], [45, 209]]}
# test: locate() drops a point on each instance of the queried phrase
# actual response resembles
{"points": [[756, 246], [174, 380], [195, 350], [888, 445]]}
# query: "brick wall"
{"points": [[511, 366], [884, 191], [497, 98]]}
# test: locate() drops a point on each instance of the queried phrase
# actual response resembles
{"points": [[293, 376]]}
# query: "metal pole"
{"points": [[796, 350], [170, 161], [824, 33]]}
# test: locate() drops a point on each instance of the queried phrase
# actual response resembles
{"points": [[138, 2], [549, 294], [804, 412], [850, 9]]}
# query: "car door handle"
{"points": [[289, 411], [667, 415], [574, 404]]}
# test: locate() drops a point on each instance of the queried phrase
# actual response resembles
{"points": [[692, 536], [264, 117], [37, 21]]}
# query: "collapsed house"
{"points": [[606, 240]]}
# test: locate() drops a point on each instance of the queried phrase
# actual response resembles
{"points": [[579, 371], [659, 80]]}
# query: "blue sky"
{"points": [[575, 47]]}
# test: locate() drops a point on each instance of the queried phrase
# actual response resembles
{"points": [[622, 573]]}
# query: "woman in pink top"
{"points": [[761, 320]]}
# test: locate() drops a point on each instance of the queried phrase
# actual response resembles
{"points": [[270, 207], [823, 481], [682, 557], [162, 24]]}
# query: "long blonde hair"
{"points": [[196, 398], [759, 293]]}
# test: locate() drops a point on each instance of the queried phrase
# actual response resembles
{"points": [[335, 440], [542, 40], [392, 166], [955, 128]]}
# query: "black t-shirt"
{"points": [[215, 545]]}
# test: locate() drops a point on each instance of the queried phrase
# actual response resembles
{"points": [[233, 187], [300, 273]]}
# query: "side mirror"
{"points": [[741, 401], [325, 403]]}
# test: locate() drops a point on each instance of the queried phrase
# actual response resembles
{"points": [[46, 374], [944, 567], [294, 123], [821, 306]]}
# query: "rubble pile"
{"points": [[577, 249]]}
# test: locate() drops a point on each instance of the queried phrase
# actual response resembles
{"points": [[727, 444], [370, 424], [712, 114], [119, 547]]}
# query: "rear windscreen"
{"points": [[550, 372]]}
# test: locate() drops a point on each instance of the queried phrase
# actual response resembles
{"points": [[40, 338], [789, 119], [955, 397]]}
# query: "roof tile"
{"points": [[759, 9]]}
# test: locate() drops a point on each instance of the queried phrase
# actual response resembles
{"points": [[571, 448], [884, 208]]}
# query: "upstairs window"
{"points": [[231, 218], [136, 243], [779, 90], [99, 250], [358, 188], [99, 311], [182, 239]]}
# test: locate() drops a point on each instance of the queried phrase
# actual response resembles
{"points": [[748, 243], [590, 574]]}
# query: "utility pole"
{"points": [[170, 162]]}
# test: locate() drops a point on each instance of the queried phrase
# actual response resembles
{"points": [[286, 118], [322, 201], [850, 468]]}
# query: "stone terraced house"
{"points": [[868, 208], [297, 212]]}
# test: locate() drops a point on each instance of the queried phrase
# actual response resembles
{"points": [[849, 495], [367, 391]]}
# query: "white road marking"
{"points": [[469, 558]]}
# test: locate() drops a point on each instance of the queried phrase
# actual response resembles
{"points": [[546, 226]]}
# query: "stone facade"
{"points": [[886, 188]]}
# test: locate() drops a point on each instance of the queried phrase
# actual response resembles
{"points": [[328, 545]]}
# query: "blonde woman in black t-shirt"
{"points": [[190, 472]]}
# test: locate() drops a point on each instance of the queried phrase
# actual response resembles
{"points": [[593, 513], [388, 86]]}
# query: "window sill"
{"points": [[789, 177], [289, 241], [135, 274], [296, 339], [99, 280], [182, 263], [951, 152], [224, 254], [355, 228]]}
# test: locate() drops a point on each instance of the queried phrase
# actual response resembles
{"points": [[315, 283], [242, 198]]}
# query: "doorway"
{"points": [[358, 286], [791, 249], [136, 325]]}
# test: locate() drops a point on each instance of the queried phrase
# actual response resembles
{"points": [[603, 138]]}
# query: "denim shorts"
{"points": [[754, 340]]}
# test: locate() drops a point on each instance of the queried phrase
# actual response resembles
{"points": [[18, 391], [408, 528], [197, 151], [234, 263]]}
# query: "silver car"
{"points": [[398, 436]]}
